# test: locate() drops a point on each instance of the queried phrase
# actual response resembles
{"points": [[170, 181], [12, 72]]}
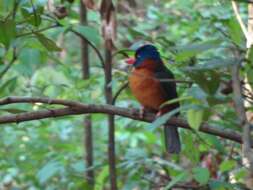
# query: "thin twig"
{"points": [[164, 80], [34, 13], [91, 44], [8, 66], [122, 52], [15, 7], [37, 31], [118, 92], [231, 152]]}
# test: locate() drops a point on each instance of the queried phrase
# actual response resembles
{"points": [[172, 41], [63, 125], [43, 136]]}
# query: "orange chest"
{"points": [[146, 88]]}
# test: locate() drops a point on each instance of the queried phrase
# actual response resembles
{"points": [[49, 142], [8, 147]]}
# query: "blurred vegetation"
{"points": [[198, 39]]}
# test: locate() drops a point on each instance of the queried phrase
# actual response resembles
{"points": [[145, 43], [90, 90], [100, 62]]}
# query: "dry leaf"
{"points": [[60, 12], [109, 24]]}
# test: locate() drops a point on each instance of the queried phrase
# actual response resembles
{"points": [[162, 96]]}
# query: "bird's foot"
{"points": [[158, 114], [142, 112]]}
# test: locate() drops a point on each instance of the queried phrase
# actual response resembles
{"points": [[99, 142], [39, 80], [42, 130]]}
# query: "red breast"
{"points": [[146, 88]]}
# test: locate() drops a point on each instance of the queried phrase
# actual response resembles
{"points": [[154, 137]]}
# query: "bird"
{"points": [[147, 82]]}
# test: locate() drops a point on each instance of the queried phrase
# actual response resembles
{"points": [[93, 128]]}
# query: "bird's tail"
{"points": [[172, 140]]}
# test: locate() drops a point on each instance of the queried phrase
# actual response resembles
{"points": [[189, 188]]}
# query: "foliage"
{"points": [[197, 40]]}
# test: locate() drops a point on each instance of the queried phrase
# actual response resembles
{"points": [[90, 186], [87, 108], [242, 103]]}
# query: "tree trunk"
{"points": [[88, 142]]}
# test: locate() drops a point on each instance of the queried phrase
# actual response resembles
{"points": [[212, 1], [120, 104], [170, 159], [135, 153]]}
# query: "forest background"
{"points": [[69, 120]]}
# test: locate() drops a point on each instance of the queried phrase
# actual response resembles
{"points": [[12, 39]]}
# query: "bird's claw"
{"points": [[142, 112], [158, 114]]}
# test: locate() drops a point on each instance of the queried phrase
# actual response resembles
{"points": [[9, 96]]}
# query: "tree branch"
{"points": [[14, 99], [241, 113], [88, 129], [118, 92], [77, 108], [8, 65], [37, 31], [91, 45]]}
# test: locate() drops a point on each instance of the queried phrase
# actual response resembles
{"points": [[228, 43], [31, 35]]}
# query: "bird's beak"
{"points": [[130, 61]]}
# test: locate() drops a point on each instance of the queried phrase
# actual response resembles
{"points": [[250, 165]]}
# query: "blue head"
{"points": [[143, 53]]}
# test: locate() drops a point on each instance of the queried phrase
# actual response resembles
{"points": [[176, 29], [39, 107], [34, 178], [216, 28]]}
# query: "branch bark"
{"points": [[238, 97], [241, 113], [77, 108]]}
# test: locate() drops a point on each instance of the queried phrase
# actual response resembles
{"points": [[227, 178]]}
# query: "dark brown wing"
{"points": [[163, 74], [172, 139]]}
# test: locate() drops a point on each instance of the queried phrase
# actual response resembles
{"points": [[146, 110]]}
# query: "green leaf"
{"points": [[138, 33], [215, 142], [249, 68], [213, 82], [124, 52], [217, 99], [26, 60], [240, 174], [214, 64], [208, 81], [32, 14], [78, 166], [89, 33], [169, 164], [249, 74], [178, 178], [227, 165], [189, 144], [49, 44], [41, 3], [195, 117], [8, 87], [5, 7], [220, 185], [186, 52], [100, 179], [7, 32], [49, 170], [250, 54], [235, 31], [201, 175], [175, 100], [163, 119], [198, 93]]}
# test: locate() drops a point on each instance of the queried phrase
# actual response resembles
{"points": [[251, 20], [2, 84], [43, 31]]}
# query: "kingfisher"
{"points": [[148, 84]]}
